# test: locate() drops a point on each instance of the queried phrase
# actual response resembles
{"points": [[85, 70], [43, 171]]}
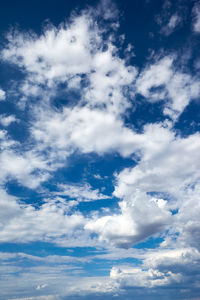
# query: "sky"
{"points": [[100, 150]]}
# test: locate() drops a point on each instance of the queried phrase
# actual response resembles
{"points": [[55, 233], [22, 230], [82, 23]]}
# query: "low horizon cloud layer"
{"points": [[100, 159]]}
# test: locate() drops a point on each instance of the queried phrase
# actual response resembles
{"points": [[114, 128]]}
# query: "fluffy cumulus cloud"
{"points": [[159, 269], [167, 162], [129, 227], [7, 120], [90, 59], [162, 82], [77, 172], [71, 129], [44, 56]]}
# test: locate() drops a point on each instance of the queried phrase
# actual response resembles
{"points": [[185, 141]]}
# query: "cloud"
{"points": [[129, 227], [27, 168], [187, 221], [170, 268], [41, 286], [47, 297], [43, 61], [101, 79], [77, 93], [107, 9], [72, 130], [2, 95], [88, 54], [5, 141], [56, 275], [174, 21], [196, 18], [159, 268], [80, 193], [162, 82], [136, 277], [171, 16], [50, 259], [168, 168], [168, 164], [23, 223], [7, 120], [155, 75]]}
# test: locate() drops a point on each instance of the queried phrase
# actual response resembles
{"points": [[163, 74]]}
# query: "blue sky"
{"points": [[100, 143]]}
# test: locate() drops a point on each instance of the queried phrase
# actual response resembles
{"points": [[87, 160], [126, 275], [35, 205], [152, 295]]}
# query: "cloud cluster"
{"points": [[154, 188], [162, 82], [169, 267], [74, 58], [28, 168], [76, 55], [77, 92], [22, 223]]}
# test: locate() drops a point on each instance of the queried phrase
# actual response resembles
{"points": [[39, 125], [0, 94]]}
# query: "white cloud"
{"points": [[41, 286], [58, 276], [160, 267], [168, 168], [45, 61], [6, 142], [155, 76], [97, 176], [2, 95], [140, 217], [108, 80], [104, 90], [23, 223], [27, 168], [168, 165], [7, 120], [182, 88], [95, 124], [161, 81], [47, 297], [2, 134], [156, 172], [158, 196], [71, 261], [80, 193], [171, 257], [136, 277], [71, 129], [187, 219], [45, 56]]}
